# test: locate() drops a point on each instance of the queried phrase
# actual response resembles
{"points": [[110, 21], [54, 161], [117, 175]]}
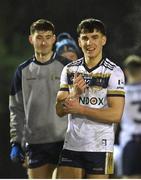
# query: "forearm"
{"points": [[16, 131], [17, 117], [59, 109], [61, 98], [105, 115]]}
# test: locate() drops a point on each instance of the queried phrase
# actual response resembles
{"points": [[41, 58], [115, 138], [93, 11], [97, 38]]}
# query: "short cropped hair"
{"points": [[88, 26], [132, 63], [42, 25]]}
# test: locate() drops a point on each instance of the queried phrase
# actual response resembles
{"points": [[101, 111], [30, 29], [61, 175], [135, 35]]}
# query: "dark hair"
{"points": [[42, 25], [88, 25], [132, 63]]}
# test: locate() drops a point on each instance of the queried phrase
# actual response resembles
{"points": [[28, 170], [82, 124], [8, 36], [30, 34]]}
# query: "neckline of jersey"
{"points": [[95, 67]]}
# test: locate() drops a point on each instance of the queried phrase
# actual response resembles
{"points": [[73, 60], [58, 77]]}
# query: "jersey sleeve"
{"points": [[16, 108], [64, 80], [116, 83]]}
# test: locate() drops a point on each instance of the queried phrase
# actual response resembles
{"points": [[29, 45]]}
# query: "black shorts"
{"points": [[131, 157], [91, 162], [41, 154]]}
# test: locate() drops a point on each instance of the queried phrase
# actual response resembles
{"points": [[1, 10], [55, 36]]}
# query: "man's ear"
{"points": [[126, 72], [54, 38], [104, 40], [30, 39], [79, 42]]}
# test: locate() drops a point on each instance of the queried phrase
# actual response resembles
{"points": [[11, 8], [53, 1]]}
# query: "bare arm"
{"points": [[110, 114], [61, 96], [79, 86]]}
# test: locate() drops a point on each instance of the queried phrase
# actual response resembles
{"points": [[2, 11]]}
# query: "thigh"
{"points": [[69, 158], [64, 172], [98, 164], [41, 154], [42, 172], [70, 165]]}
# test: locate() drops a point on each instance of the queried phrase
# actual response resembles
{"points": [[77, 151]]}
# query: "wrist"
{"points": [[15, 144], [73, 95]]}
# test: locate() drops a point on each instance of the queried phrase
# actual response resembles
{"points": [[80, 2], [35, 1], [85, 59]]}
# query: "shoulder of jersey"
{"points": [[26, 63], [76, 63], [108, 64]]}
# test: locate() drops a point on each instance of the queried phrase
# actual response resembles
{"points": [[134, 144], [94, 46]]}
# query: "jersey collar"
{"points": [[93, 68], [48, 62]]}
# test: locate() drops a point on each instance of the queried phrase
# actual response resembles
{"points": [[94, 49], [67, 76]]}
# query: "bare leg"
{"points": [[132, 177], [91, 176], [64, 172], [43, 172]]}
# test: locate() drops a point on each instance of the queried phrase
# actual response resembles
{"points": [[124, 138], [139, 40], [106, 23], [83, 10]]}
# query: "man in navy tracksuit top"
{"points": [[33, 117]]}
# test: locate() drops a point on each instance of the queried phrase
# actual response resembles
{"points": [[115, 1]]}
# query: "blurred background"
{"points": [[123, 22]]}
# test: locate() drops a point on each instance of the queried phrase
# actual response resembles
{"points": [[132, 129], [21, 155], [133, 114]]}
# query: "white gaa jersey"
{"points": [[131, 119], [105, 79]]}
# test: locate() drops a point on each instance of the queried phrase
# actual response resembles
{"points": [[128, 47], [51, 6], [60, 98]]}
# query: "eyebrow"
{"points": [[92, 36]]}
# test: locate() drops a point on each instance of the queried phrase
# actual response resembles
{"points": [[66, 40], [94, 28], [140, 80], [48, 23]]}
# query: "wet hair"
{"points": [[132, 63], [88, 26], [42, 25]]}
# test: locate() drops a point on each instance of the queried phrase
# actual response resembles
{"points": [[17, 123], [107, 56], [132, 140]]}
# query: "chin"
{"points": [[91, 56]]}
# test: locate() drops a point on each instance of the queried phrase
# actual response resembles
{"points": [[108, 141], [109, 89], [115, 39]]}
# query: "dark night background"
{"points": [[123, 22]]}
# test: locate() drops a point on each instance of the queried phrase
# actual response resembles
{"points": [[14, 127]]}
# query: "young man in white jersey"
{"points": [[92, 94], [130, 135]]}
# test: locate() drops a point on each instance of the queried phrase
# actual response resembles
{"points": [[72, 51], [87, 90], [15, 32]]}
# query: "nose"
{"points": [[89, 42], [43, 42]]}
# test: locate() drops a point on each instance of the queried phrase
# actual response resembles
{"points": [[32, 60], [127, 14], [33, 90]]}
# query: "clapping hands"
{"points": [[79, 85]]}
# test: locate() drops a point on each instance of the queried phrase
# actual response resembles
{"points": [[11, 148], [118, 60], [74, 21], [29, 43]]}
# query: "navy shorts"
{"points": [[91, 162], [131, 157], [41, 154]]}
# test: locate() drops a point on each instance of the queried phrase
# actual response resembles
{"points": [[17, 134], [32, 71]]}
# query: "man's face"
{"points": [[70, 55], [42, 41], [92, 43]]}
